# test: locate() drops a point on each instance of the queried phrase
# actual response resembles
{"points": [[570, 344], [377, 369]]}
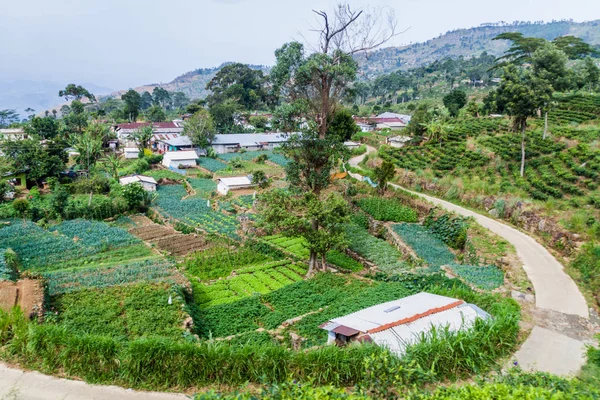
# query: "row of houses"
{"points": [[386, 120]]}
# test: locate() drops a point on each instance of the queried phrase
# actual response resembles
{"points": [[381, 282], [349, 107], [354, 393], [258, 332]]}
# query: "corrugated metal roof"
{"points": [[180, 155], [376, 316], [399, 337], [126, 180], [236, 181], [248, 139]]}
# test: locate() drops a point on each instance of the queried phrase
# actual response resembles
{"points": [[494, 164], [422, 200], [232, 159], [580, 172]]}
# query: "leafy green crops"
{"points": [[387, 209]]}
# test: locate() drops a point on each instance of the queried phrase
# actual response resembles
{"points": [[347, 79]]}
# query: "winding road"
{"points": [[557, 342]]}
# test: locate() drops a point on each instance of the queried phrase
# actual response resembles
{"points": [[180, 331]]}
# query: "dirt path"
{"points": [[354, 161], [561, 319], [20, 385]]}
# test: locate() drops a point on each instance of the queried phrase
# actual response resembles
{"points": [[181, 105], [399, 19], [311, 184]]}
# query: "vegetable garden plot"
{"points": [[122, 312], [383, 209], [379, 252], [195, 211], [43, 250], [272, 156], [297, 246], [211, 164], [203, 187], [254, 279], [155, 270]]}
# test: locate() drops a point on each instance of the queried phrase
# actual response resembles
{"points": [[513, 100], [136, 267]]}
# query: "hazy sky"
{"points": [[125, 43]]}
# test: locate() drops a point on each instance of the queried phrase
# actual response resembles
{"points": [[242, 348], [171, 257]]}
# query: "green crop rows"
{"points": [[260, 278], [66, 281], [272, 156], [211, 164], [195, 211], [203, 187], [387, 209], [378, 251], [296, 246]]}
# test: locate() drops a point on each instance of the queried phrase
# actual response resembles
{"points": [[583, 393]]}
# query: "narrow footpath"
{"points": [[562, 328]]}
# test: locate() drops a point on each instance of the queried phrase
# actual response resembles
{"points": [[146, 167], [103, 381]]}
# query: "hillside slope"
{"points": [[192, 83], [470, 42]]}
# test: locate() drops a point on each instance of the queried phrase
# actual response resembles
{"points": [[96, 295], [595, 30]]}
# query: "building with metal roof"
{"points": [[224, 185], [148, 182], [231, 143], [399, 323]]}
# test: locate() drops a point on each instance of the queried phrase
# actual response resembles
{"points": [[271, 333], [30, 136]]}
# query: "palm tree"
{"points": [[437, 131], [112, 163]]}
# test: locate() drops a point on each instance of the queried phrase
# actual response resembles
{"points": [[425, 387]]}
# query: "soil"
{"points": [[26, 293]]}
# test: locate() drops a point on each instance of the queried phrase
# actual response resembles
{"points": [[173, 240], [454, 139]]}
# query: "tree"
{"points": [[89, 149], [8, 117], [436, 130], [156, 114], [41, 161], [239, 83], [383, 174], [132, 101], [288, 117], [343, 126], [76, 92], [259, 122], [161, 97], [454, 101], [200, 129], [44, 128], [224, 116], [112, 164], [196, 106], [260, 178], [473, 109], [136, 196], [30, 112], [318, 221], [589, 74], [574, 47], [146, 101], [521, 49], [77, 120], [522, 94], [180, 100], [142, 137], [550, 64], [320, 81]]}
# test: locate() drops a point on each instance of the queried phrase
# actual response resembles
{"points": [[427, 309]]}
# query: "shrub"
{"points": [[451, 230], [21, 206]]}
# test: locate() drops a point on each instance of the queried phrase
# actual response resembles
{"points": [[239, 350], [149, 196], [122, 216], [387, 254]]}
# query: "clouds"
{"points": [[122, 43]]}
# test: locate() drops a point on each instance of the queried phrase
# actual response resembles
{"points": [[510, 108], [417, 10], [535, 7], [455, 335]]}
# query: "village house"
{"points": [[124, 130], [399, 323], [13, 134], [224, 185], [147, 182], [387, 120], [351, 145], [131, 152], [175, 159], [171, 142], [232, 143]]}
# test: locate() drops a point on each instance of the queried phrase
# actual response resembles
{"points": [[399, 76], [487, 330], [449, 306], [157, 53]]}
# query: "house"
{"points": [[389, 123], [147, 182], [351, 145], [231, 143], [405, 118], [398, 141], [385, 120], [399, 323], [124, 130], [131, 152], [18, 180], [365, 125], [224, 185], [173, 159], [13, 134], [171, 142]]}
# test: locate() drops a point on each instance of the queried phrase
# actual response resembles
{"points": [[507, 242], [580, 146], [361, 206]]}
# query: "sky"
{"points": [[126, 43]]}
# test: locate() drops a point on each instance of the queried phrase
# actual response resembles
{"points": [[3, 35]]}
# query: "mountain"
{"points": [[39, 95], [192, 83], [470, 42]]}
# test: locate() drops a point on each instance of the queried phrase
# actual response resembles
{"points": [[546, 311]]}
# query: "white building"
{"points": [[147, 182], [131, 152], [231, 143], [398, 141], [351, 145], [403, 117], [224, 185], [124, 130], [173, 159], [13, 134], [399, 323]]}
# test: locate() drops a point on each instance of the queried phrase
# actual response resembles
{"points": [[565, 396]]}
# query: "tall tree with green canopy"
{"points": [[521, 95], [161, 97], [89, 149], [41, 161], [239, 83], [319, 80], [146, 101], [133, 102], [224, 116], [77, 120], [7, 117], [318, 220], [550, 64], [156, 114], [142, 137], [454, 101], [43, 127], [76, 92], [574, 47], [342, 125], [200, 129]]}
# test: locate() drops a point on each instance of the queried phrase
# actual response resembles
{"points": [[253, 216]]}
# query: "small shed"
{"points": [[399, 323], [398, 141], [131, 152], [173, 159], [147, 182], [224, 185], [351, 145]]}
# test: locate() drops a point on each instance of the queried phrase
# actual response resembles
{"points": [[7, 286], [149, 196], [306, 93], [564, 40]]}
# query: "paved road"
{"points": [[19, 385], [354, 161], [545, 349]]}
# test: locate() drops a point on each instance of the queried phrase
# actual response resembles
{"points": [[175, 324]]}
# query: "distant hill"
{"points": [[39, 95], [470, 42], [192, 83]]}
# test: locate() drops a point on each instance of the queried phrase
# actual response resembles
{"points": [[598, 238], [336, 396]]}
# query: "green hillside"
{"points": [[471, 42]]}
